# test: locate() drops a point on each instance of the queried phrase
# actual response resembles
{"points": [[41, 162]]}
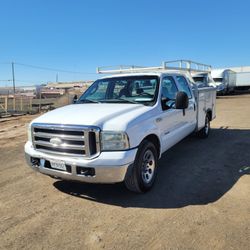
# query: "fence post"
{"points": [[40, 97], [14, 103], [30, 104], [6, 103], [21, 103]]}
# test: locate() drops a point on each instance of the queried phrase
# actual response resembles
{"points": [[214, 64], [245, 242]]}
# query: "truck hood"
{"points": [[105, 116]]}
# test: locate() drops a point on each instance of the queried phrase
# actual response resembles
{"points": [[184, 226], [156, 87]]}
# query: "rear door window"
{"points": [[183, 85], [169, 89]]}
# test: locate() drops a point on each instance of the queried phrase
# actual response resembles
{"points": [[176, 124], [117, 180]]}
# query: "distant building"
{"points": [[57, 89], [5, 91], [49, 90], [240, 69], [69, 85], [51, 93], [28, 91]]}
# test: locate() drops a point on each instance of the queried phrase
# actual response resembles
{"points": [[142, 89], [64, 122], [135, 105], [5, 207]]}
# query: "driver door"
{"points": [[171, 119]]}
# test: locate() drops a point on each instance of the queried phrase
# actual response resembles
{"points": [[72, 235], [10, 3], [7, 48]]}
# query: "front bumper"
{"points": [[109, 167]]}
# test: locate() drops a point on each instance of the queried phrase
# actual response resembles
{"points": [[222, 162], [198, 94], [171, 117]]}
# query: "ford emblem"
{"points": [[55, 141]]}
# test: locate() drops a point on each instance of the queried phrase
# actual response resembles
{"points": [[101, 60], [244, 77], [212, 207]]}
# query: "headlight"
{"points": [[29, 132], [114, 141]]}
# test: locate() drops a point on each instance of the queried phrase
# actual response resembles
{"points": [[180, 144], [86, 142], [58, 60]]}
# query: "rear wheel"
{"points": [[142, 175], [204, 132]]}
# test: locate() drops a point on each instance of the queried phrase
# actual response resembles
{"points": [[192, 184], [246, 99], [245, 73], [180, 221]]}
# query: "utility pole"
{"points": [[57, 77], [13, 78]]}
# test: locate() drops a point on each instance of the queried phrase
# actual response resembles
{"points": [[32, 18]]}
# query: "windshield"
{"points": [[132, 89], [218, 80], [199, 79]]}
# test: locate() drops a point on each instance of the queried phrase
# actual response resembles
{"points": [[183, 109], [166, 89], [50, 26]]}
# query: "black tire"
{"points": [[141, 177], [204, 132]]}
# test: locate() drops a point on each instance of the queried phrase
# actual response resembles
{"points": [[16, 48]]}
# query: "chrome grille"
{"points": [[71, 140]]}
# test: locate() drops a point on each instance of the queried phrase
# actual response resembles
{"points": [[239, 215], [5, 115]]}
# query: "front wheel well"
{"points": [[209, 113], [155, 140]]}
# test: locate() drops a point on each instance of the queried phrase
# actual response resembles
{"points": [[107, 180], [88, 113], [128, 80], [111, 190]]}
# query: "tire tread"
{"points": [[131, 181]]}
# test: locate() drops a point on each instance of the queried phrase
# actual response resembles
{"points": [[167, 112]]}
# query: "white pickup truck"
{"points": [[119, 128]]}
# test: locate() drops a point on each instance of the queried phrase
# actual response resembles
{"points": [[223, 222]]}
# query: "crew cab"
{"points": [[119, 128]]}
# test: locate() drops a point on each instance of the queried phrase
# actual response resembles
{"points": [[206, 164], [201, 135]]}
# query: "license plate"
{"points": [[58, 165]]}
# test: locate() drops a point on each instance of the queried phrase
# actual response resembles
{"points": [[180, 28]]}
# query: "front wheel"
{"points": [[204, 132], [142, 175]]}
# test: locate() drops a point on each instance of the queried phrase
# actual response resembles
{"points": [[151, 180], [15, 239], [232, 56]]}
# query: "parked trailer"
{"points": [[225, 80], [203, 79], [242, 80]]}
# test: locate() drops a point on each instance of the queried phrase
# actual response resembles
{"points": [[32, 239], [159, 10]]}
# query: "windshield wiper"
{"points": [[126, 100], [87, 101]]}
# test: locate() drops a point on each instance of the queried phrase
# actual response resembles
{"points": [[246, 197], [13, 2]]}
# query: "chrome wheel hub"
{"points": [[148, 167]]}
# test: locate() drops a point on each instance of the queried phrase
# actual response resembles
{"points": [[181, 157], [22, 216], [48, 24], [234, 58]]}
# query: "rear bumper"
{"points": [[109, 167]]}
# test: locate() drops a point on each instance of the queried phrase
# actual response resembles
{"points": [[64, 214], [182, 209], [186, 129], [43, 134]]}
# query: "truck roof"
{"points": [[159, 74]]}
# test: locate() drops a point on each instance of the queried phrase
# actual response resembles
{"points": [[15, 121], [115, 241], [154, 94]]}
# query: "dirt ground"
{"points": [[201, 199]]}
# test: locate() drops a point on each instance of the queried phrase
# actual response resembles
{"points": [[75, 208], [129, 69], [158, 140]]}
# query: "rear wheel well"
{"points": [[155, 140]]}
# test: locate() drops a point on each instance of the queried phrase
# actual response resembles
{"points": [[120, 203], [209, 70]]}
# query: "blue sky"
{"points": [[79, 35]]}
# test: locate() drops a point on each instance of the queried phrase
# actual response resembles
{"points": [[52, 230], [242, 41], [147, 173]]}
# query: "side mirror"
{"points": [[181, 100], [74, 99]]}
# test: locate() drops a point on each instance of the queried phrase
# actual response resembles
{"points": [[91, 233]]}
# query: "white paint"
{"points": [[137, 120]]}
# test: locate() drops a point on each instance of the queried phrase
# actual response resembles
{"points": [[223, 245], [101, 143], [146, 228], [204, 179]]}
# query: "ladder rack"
{"points": [[177, 65]]}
